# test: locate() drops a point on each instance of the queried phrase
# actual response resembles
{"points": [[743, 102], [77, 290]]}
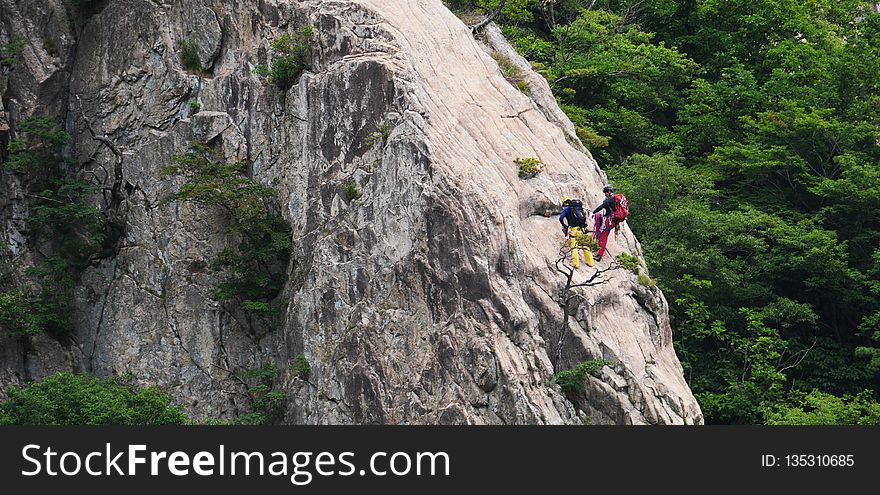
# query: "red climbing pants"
{"points": [[602, 226], [603, 240]]}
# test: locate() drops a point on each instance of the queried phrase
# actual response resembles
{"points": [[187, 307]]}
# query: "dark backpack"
{"points": [[621, 210], [576, 216]]}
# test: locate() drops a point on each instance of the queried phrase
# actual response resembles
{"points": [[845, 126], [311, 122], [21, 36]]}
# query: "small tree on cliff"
{"points": [[290, 59], [255, 262], [568, 293]]}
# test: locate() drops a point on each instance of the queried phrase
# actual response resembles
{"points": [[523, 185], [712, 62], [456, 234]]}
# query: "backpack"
{"points": [[621, 211], [576, 216]]}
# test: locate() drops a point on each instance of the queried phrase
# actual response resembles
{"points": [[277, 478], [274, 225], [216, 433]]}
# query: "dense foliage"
{"points": [[68, 399], [63, 225], [189, 55], [571, 381], [256, 261], [746, 135], [267, 403], [290, 57], [10, 51]]}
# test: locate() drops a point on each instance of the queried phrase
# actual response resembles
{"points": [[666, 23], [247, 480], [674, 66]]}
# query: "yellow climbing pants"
{"points": [[573, 234]]}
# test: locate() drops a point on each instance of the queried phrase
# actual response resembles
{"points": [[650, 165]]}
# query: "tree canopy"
{"points": [[69, 399], [746, 136]]}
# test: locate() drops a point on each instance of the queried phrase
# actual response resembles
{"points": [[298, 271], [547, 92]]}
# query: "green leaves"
{"points": [[746, 136], [10, 51], [747, 381], [267, 404], [572, 381], [64, 210], [290, 58], [37, 148], [528, 166], [68, 399], [64, 224], [301, 367], [628, 261], [819, 408], [256, 262], [189, 55], [352, 191], [17, 313], [619, 70]]}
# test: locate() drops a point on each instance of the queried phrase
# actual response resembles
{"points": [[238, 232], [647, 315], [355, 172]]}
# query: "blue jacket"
{"points": [[563, 215]]}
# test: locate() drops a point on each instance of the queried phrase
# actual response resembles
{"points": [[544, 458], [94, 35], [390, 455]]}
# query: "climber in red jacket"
{"points": [[603, 223]]}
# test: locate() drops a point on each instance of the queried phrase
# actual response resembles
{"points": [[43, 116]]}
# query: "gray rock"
{"points": [[431, 299], [196, 22]]}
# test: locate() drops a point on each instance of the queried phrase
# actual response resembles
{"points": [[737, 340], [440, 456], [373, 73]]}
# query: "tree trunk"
{"points": [[476, 28]]}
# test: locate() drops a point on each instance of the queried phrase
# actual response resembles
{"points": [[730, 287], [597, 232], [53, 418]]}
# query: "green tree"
{"points": [[68, 399], [290, 58], [819, 408], [625, 84], [256, 261], [65, 228], [572, 381], [753, 383], [38, 146], [267, 403]]}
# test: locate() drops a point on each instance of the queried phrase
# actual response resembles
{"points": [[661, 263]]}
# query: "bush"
{"points": [[511, 72], [591, 139], [629, 262], [819, 408], [256, 264], [633, 264], [572, 381], [62, 222], [646, 280], [10, 52], [194, 106], [68, 399], [301, 367], [352, 192], [290, 59], [189, 55], [267, 403], [528, 167], [379, 137], [63, 214], [17, 313], [587, 241], [37, 149], [51, 307]]}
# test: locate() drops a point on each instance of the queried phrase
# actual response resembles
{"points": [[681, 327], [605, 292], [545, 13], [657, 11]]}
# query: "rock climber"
{"points": [[615, 212], [572, 214]]}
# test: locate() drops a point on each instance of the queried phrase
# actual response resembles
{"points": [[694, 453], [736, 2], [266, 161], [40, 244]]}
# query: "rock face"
{"points": [[430, 299]]}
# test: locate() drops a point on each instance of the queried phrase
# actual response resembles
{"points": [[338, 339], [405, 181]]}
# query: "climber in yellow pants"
{"points": [[574, 234], [573, 220]]}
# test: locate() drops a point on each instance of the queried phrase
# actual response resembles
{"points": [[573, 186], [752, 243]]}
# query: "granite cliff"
{"points": [[431, 298]]}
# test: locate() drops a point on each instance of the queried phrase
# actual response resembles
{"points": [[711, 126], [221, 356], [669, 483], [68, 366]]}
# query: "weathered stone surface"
{"points": [[196, 22], [431, 299], [33, 83]]}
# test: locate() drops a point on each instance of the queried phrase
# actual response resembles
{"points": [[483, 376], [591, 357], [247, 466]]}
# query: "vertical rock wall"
{"points": [[430, 299]]}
